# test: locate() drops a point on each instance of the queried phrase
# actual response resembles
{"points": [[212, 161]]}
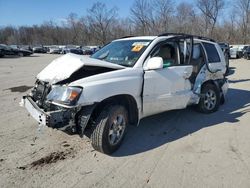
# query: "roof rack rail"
{"points": [[126, 36], [184, 34]]}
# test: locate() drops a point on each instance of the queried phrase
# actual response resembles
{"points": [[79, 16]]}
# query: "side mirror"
{"points": [[154, 63]]}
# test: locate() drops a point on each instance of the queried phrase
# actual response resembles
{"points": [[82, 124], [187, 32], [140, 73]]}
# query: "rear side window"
{"points": [[197, 53], [212, 53]]}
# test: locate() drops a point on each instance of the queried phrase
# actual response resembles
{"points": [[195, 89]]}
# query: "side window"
{"points": [[167, 51], [197, 52], [212, 53]]}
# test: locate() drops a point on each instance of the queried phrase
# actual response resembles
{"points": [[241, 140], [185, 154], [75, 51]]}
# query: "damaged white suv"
{"points": [[125, 81]]}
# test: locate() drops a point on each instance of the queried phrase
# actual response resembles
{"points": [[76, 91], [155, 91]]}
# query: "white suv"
{"points": [[125, 81]]}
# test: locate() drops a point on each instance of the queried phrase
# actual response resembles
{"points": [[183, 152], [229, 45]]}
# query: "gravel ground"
{"points": [[180, 148]]}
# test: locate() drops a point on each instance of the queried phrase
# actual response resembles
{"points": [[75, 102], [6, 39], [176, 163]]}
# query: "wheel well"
{"points": [[125, 100], [208, 82], [216, 84]]}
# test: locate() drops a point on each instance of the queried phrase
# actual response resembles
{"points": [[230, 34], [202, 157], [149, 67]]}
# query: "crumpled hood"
{"points": [[64, 66]]}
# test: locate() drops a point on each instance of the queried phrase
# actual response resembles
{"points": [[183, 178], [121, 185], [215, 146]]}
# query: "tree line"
{"points": [[222, 20]]}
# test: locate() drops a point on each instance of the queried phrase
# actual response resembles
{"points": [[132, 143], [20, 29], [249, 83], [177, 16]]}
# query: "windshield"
{"points": [[123, 52]]}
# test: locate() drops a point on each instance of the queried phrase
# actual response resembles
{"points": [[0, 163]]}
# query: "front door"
{"points": [[168, 88]]}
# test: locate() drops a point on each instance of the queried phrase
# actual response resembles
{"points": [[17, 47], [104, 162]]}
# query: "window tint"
{"points": [[212, 53]]}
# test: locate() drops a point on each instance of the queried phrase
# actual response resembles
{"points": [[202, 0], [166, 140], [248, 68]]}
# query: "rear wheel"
{"points": [[210, 99], [110, 129]]}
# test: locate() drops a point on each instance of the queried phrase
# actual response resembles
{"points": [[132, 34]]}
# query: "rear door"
{"points": [[169, 88]]}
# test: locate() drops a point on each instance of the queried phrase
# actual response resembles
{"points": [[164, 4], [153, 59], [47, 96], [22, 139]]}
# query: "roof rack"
{"points": [[187, 35], [126, 36]]}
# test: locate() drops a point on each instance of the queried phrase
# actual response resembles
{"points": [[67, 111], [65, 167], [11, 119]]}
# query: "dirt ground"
{"points": [[175, 149]]}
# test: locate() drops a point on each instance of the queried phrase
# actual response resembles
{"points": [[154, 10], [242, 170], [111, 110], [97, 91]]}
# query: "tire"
{"points": [[20, 54], [110, 129], [210, 100]]}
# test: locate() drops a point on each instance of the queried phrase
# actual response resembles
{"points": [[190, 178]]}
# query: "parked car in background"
{"points": [[247, 53], [93, 48], [87, 51], [7, 50], [226, 51], [72, 49], [26, 47], [21, 51], [76, 51], [234, 52], [240, 50], [244, 50], [13, 50], [66, 49], [54, 50], [39, 49], [1, 52]]}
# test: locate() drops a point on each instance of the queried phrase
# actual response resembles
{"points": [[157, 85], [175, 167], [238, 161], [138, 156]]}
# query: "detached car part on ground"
{"points": [[125, 81]]}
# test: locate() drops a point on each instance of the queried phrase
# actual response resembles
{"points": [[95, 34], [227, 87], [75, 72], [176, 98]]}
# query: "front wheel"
{"points": [[110, 129], [210, 99]]}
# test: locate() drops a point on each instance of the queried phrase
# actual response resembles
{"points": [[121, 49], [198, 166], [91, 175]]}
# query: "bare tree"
{"points": [[210, 10], [243, 7], [100, 19], [75, 26], [186, 19], [141, 16], [163, 14], [147, 17]]}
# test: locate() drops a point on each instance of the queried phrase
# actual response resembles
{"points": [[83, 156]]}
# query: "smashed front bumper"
{"points": [[50, 119]]}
